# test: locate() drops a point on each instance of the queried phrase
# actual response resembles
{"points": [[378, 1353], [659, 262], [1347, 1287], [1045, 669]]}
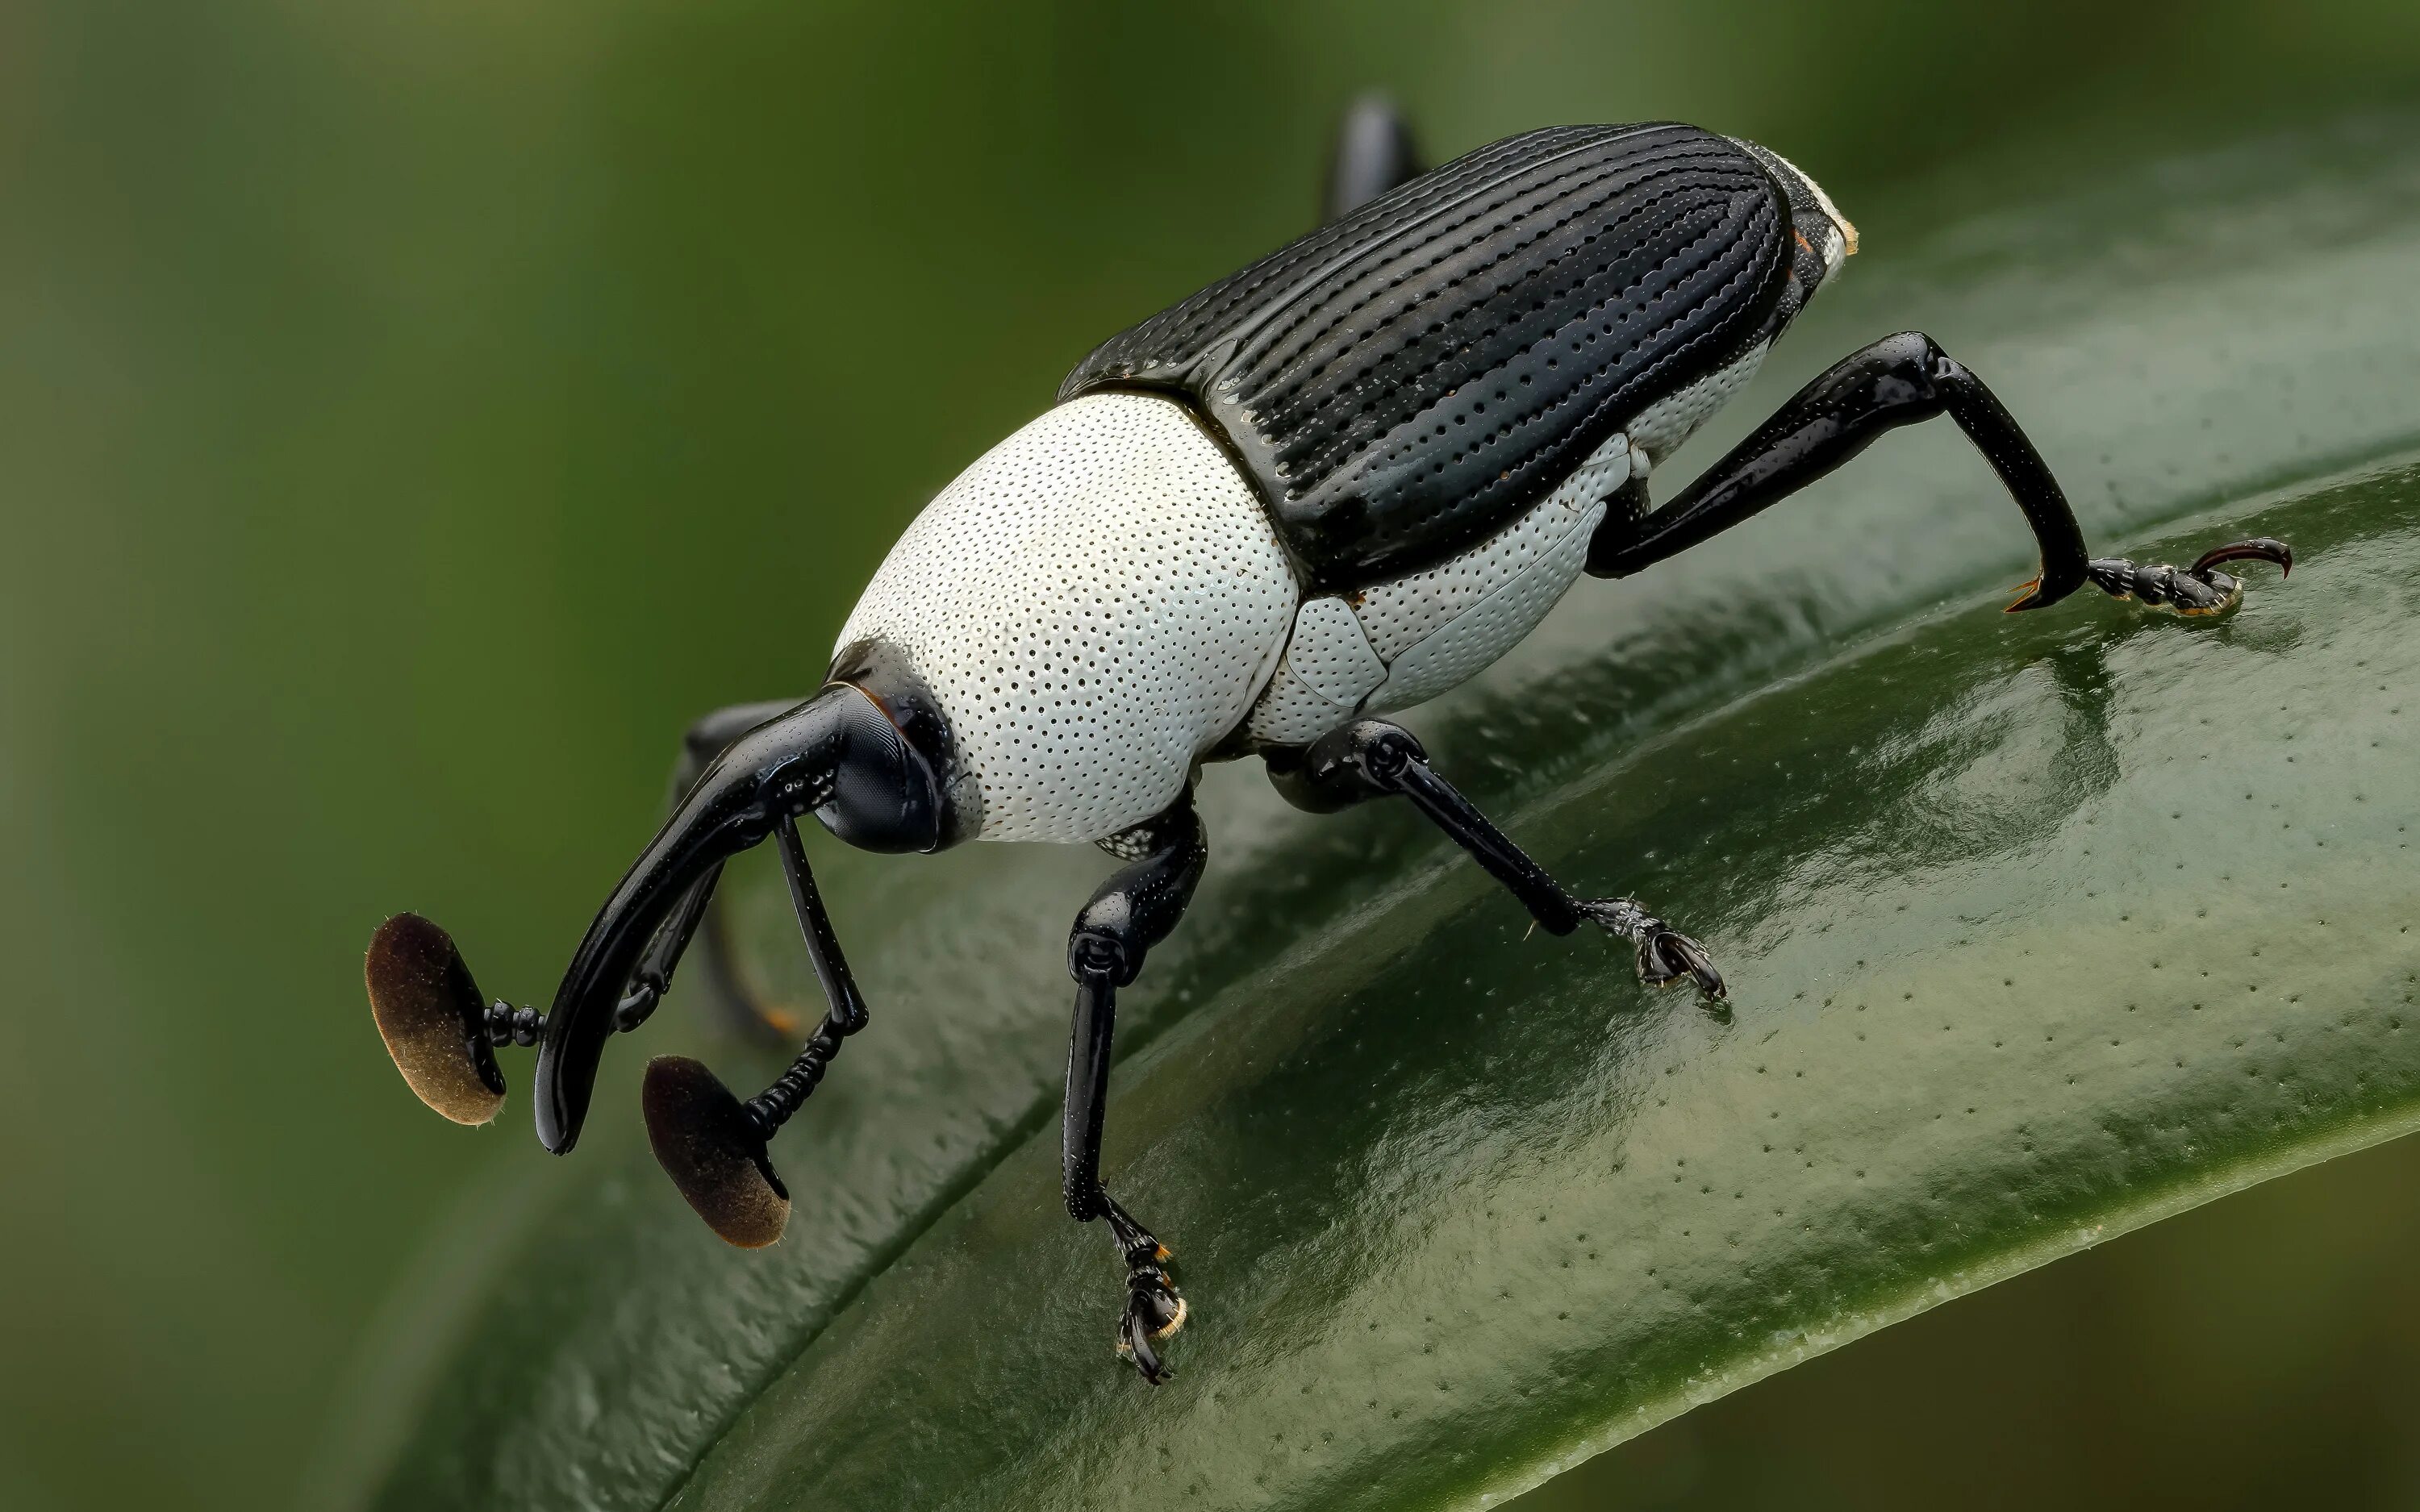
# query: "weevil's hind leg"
{"points": [[1132, 911], [694, 916], [1373, 153], [1901, 380], [1374, 758]]}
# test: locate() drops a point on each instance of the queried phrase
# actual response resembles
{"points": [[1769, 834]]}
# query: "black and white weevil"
{"points": [[1328, 487]]}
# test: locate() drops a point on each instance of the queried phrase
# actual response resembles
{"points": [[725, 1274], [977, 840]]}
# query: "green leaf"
{"points": [[2037, 928]]}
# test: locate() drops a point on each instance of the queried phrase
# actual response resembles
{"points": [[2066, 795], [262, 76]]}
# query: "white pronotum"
{"points": [[1101, 599], [1093, 604]]}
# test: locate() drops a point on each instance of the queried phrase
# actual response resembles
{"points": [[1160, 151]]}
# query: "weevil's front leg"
{"points": [[1132, 911], [1373, 756], [1901, 380]]}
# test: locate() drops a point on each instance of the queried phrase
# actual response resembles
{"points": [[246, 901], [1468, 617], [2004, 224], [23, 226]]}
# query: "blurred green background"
{"points": [[410, 417]]}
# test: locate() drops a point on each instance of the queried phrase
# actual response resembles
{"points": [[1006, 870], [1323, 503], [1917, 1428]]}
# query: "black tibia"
{"points": [[1373, 153], [1899, 380], [1370, 758], [1132, 911]]}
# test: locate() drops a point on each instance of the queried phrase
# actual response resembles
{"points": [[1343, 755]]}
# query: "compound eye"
{"points": [[714, 1152], [884, 795], [872, 806], [432, 1018]]}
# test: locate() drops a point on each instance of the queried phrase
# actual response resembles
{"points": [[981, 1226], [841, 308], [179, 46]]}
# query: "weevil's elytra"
{"points": [[1401, 383], [1332, 485]]}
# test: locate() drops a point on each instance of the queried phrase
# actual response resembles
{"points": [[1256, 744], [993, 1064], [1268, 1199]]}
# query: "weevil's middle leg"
{"points": [[1370, 758], [1901, 380], [1132, 911]]}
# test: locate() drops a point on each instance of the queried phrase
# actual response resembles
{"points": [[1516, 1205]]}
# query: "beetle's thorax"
{"points": [[1091, 606]]}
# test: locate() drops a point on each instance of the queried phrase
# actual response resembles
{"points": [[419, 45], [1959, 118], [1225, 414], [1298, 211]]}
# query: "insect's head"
{"points": [[1822, 237], [868, 756]]}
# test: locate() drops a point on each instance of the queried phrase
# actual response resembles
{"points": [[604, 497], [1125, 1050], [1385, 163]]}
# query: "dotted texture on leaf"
{"points": [[2035, 931]]}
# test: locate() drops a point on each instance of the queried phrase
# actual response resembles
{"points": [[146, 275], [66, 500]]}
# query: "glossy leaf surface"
{"points": [[2037, 928]]}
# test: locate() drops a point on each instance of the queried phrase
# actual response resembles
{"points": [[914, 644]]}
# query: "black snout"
{"points": [[840, 755]]}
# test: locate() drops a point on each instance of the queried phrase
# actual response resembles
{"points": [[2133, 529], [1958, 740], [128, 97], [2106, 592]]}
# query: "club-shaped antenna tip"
{"points": [[707, 1144], [430, 1012]]}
